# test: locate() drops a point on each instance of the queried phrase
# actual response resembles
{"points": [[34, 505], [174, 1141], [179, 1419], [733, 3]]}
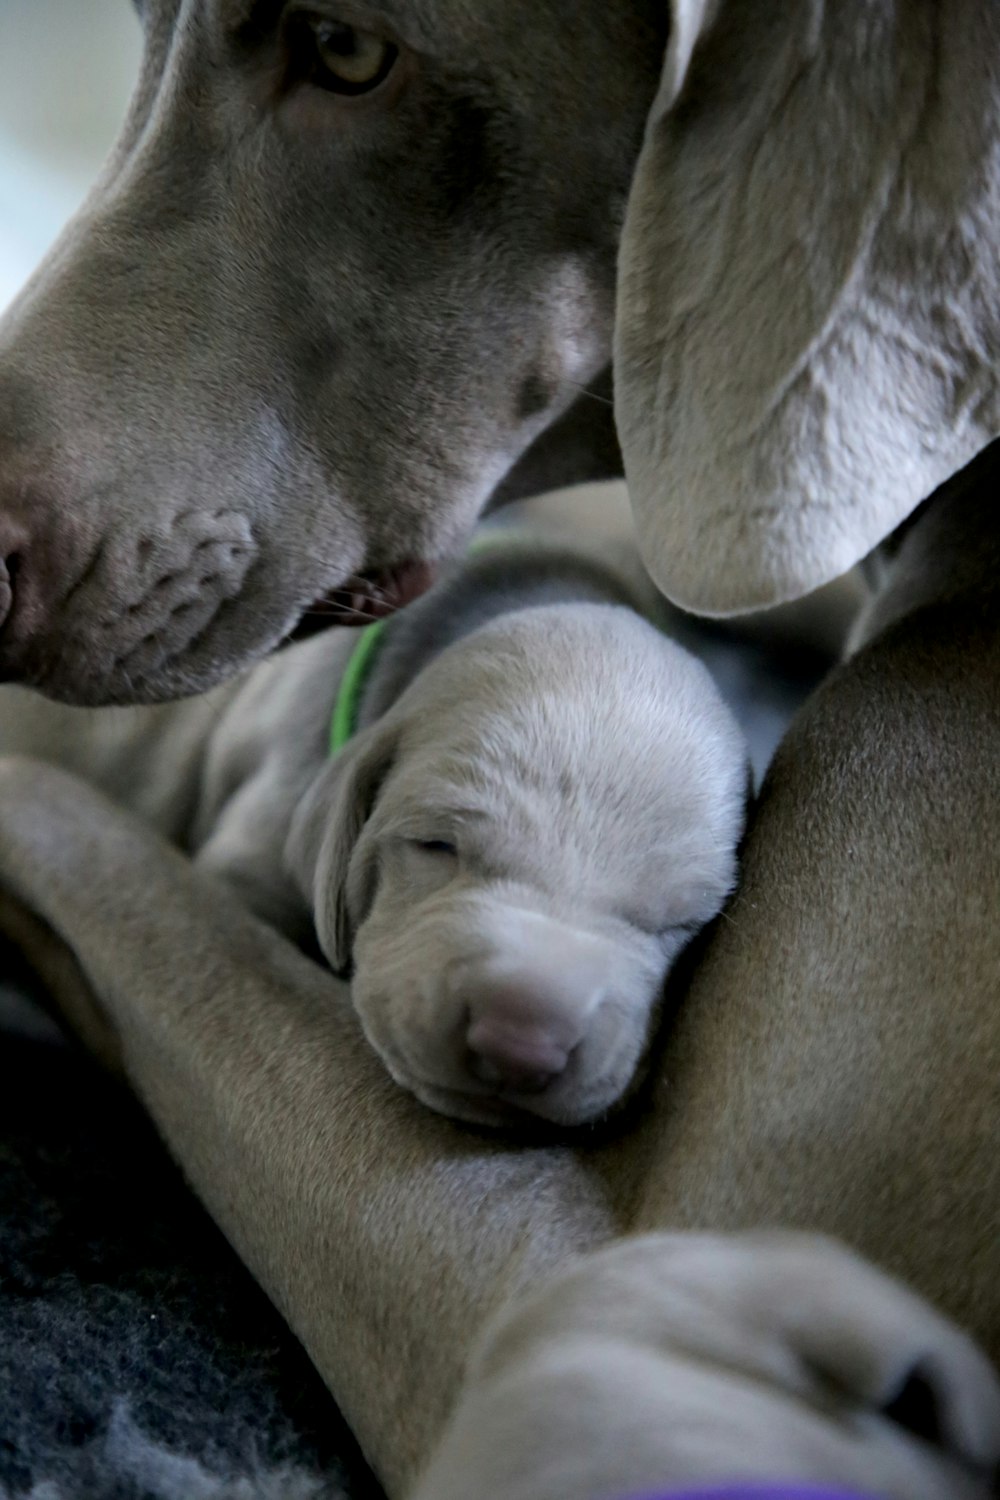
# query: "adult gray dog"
{"points": [[346, 267]]}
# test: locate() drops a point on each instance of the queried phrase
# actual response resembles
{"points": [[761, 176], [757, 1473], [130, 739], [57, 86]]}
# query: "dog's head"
{"points": [[350, 258], [515, 855], [344, 265]]}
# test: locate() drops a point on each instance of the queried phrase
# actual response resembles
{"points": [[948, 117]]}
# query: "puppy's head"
{"points": [[516, 854]]}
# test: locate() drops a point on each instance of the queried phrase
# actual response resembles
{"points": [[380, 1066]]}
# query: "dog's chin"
{"points": [[594, 1112], [87, 674], [531, 1115]]}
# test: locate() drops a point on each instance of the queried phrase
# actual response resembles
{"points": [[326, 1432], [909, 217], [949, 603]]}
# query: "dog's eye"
{"points": [[339, 57], [434, 846]]}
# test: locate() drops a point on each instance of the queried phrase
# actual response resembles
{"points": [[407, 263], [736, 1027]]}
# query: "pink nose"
{"points": [[524, 1025], [515, 1054]]}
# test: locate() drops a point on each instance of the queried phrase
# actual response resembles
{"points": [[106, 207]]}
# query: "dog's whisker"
{"points": [[337, 607], [335, 612], [593, 395]]}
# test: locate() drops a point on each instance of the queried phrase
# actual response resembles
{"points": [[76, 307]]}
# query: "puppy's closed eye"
{"points": [[434, 846], [422, 865]]}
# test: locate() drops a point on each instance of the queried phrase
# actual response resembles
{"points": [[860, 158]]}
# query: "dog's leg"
{"points": [[384, 1233], [56, 978], [836, 1062], [693, 1358], [836, 1065]]}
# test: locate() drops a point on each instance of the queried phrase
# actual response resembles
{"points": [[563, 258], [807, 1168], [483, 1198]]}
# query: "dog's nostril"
{"points": [[523, 1059], [499, 1075], [8, 578]]}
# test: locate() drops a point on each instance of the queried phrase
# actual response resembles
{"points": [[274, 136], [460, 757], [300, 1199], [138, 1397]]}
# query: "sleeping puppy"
{"points": [[535, 802]]}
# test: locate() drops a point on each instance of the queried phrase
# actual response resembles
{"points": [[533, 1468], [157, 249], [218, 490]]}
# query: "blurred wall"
{"points": [[66, 70]]}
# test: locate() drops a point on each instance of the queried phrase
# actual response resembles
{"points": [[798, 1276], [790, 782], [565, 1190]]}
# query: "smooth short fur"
{"points": [[293, 335], [815, 1077], [228, 389], [540, 807]]}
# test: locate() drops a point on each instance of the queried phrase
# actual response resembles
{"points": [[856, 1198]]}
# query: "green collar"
{"points": [[344, 720]]}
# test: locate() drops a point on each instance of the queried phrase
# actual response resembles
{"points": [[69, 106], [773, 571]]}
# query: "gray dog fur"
{"points": [[288, 339], [579, 768]]}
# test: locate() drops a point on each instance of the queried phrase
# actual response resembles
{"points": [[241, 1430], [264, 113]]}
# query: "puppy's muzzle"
{"points": [[523, 1028], [490, 1011]]}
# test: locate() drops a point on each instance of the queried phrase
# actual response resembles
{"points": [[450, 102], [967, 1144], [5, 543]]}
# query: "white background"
{"points": [[66, 71]]}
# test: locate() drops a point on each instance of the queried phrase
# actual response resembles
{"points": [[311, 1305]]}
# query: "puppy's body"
{"points": [[539, 803], [819, 1076]]}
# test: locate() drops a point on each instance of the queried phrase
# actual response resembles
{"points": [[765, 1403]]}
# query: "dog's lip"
{"points": [[372, 595], [490, 1109]]}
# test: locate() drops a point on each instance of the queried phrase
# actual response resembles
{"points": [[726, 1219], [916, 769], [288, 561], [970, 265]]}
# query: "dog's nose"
{"points": [[522, 1030], [8, 571], [12, 545], [521, 1057], [37, 571]]}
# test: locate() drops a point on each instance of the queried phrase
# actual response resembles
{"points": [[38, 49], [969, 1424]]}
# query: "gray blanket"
{"points": [[138, 1361]]}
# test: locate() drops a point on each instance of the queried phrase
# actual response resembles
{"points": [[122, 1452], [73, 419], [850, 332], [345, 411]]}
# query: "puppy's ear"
{"points": [[325, 830], [809, 293]]}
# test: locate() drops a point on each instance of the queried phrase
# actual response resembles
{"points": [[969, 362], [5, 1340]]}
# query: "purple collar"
{"points": [[757, 1491]]}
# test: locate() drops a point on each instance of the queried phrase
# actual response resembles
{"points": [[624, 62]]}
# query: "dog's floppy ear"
{"points": [[809, 289], [325, 829]]}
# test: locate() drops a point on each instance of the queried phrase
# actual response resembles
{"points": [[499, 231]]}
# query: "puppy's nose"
{"points": [[523, 1028], [523, 1057]]}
